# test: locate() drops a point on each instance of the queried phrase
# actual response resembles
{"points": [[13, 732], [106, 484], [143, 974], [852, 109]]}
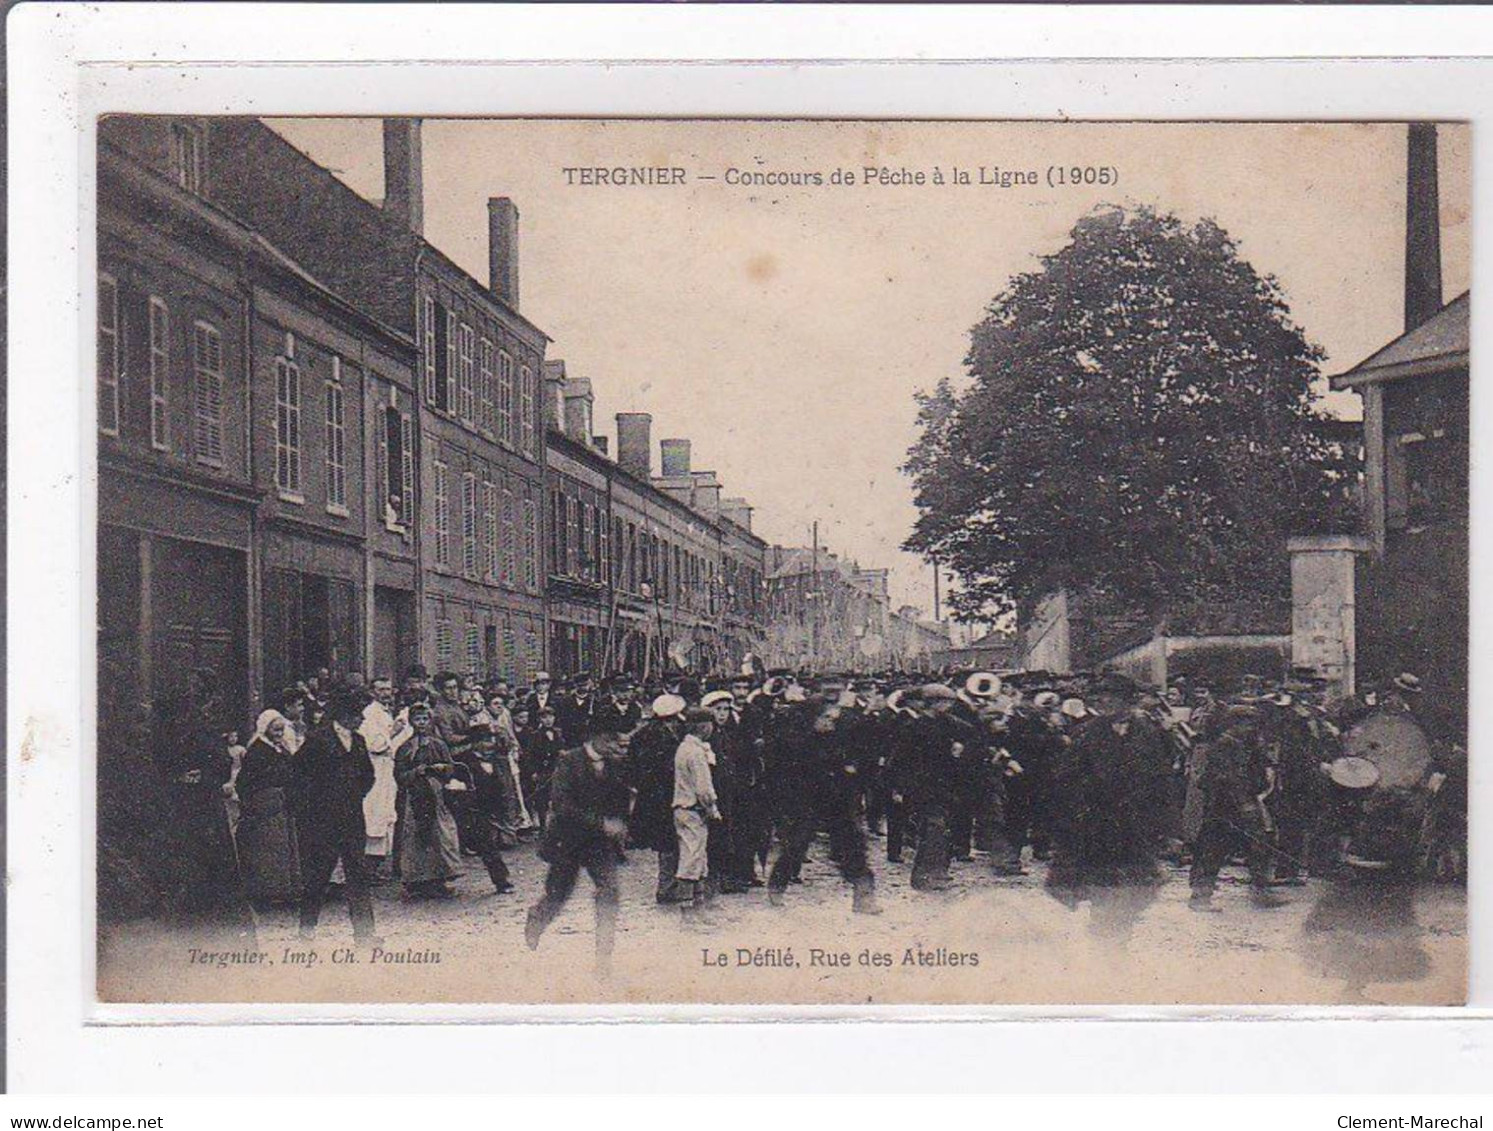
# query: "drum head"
{"points": [[1354, 773], [1396, 746]]}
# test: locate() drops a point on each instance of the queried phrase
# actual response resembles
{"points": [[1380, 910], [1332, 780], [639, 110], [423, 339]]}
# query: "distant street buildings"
{"points": [[323, 445], [828, 614]]}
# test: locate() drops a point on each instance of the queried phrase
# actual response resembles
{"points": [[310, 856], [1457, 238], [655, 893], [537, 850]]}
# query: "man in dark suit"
{"points": [[574, 709], [589, 797], [332, 774], [541, 697], [619, 709]]}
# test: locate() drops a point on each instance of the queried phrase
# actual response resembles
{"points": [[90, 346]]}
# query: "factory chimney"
{"points": [[404, 191], [1422, 227]]}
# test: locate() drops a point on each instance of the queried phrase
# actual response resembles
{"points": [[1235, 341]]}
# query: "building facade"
{"points": [[647, 573], [470, 492], [1410, 597], [231, 379], [825, 613]]}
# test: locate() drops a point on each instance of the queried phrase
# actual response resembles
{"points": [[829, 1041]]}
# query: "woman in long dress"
{"points": [[268, 855], [429, 850]]}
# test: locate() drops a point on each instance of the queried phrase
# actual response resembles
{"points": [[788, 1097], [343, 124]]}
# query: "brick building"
{"points": [[471, 493], [1412, 582], [646, 572], [239, 404]]}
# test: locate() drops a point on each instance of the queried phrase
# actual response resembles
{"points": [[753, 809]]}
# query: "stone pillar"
{"points": [[1322, 607]]}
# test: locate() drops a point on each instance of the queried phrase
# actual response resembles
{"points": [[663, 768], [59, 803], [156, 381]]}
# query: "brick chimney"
{"points": [[554, 394], [706, 494], [502, 250], [404, 190], [578, 402], [737, 510], [673, 458], [634, 450], [1422, 227]]}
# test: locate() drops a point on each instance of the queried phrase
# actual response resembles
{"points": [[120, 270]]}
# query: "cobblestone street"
{"points": [[985, 940]]}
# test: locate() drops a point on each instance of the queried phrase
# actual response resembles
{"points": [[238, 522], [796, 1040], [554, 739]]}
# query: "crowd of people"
{"points": [[728, 782]]}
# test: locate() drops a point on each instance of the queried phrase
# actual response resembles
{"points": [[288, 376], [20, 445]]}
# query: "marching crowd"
{"points": [[728, 782]]}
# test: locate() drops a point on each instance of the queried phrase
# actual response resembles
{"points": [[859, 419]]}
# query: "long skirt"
{"points": [[380, 808], [432, 852], [267, 851]]}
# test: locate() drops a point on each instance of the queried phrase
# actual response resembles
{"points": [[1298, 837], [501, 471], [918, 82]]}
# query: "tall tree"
{"points": [[1138, 418]]}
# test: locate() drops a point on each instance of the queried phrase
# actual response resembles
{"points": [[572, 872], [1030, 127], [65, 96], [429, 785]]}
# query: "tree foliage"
{"points": [[1138, 418]]}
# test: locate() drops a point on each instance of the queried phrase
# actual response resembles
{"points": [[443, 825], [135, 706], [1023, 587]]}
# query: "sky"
{"points": [[785, 329]]}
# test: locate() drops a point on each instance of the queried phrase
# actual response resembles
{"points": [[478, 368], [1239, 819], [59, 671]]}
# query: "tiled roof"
{"points": [[1436, 345]]}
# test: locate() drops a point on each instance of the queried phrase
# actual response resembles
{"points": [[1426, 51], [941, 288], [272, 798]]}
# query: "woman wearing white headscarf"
{"points": [[268, 856]]}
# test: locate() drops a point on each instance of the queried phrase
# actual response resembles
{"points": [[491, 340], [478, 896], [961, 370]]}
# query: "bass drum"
{"points": [[1396, 746]]}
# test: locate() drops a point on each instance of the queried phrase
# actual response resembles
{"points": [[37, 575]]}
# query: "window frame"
{"points": [[509, 537], [485, 404], [442, 516], [429, 368], [526, 409], [531, 546], [112, 331], [468, 524], [505, 397], [466, 360], [188, 140], [160, 372], [199, 372], [336, 446], [289, 468]]}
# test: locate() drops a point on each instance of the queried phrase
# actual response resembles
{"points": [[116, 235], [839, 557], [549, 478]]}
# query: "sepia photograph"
{"points": [[781, 562]]}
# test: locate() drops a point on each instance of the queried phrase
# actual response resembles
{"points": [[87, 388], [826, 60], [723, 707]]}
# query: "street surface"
{"points": [[986, 940]]}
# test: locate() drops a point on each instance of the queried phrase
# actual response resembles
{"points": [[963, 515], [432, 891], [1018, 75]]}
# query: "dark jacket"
{"points": [[573, 717], [264, 766], [623, 721], [580, 802], [651, 754], [330, 784]]}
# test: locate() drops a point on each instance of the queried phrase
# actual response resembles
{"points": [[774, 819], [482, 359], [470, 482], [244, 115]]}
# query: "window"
{"points": [[207, 373], [489, 532], [490, 649], [484, 387], [632, 558], [108, 356], [531, 546], [442, 359], [533, 656], [453, 337], [398, 469], [603, 566], [505, 397], [474, 649], [587, 542], [336, 443], [557, 533], [288, 427], [526, 408], [466, 372], [469, 524], [432, 349], [510, 648], [572, 536], [510, 549], [442, 518], [443, 642], [160, 373], [186, 156], [618, 552], [407, 468]]}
